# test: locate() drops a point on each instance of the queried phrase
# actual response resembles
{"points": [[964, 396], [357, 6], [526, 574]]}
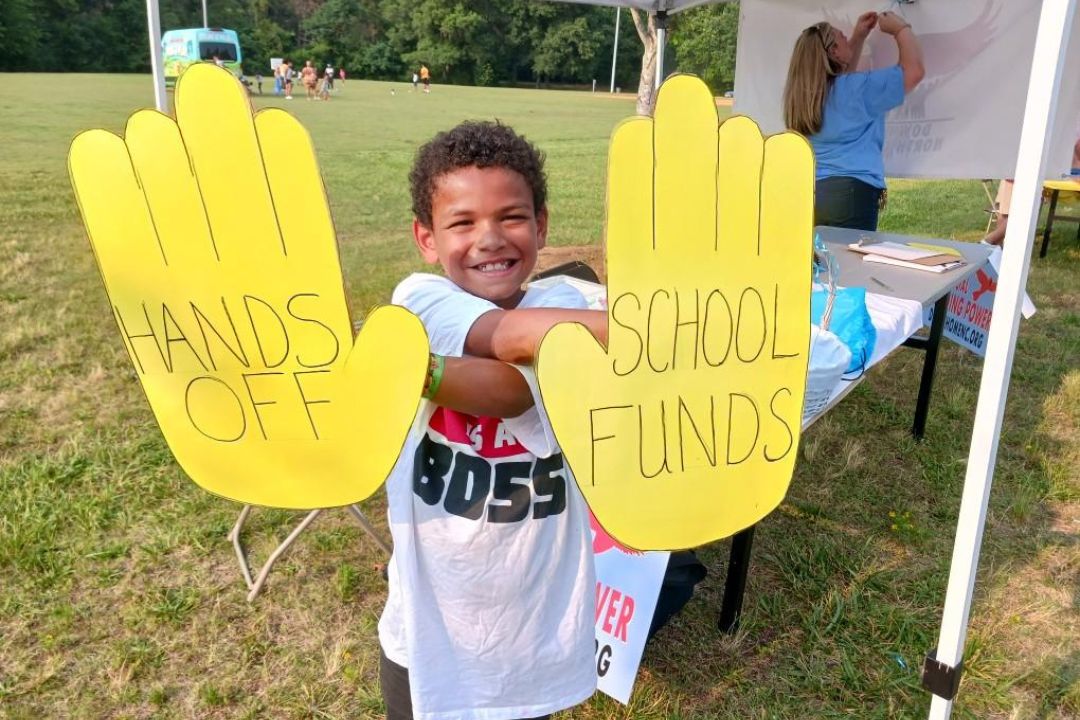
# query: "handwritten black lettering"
{"points": [[684, 411], [237, 350], [131, 337], [248, 299], [640, 343], [649, 334], [743, 322], [776, 325], [705, 331], [731, 425], [180, 337], [202, 379], [593, 439], [301, 318], [256, 404], [787, 428], [304, 399], [680, 323], [663, 443]]}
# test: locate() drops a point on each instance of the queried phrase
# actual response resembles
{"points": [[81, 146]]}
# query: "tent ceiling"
{"points": [[669, 6]]}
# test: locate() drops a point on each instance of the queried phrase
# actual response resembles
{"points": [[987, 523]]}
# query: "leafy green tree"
{"points": [[462, 41], [20, 33], [262, 35], [706, 40]]}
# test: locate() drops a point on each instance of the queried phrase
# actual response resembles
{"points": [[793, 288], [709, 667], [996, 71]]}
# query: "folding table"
{"points": [[1053, 189], [929, 289]]}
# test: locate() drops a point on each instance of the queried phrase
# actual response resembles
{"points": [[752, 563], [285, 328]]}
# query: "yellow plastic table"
{"points": [[1052, 189]]}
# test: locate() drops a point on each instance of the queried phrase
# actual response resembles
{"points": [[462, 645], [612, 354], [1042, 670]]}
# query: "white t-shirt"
{"points": [[491, 594]]}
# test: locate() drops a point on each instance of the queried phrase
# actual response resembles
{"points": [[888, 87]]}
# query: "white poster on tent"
{"points": [[963, 120]]}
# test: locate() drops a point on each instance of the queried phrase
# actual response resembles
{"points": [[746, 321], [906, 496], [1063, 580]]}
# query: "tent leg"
{"points": [[1044, 84], [157, 70]]}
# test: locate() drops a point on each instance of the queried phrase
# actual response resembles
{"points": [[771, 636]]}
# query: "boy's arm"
{"points": [[483, 388], [514, 336]]}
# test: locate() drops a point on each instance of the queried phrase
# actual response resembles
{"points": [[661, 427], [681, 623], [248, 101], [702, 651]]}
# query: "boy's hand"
{"points": [[215, 243], [685, 429]]}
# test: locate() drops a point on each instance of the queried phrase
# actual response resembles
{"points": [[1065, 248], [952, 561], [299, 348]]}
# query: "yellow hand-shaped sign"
{"points": [[215, 243], [685, 429]]}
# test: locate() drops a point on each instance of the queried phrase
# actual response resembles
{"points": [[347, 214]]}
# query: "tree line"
{"points": [[470, 42]]}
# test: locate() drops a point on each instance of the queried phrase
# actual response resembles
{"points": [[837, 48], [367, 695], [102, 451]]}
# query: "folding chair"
{"points": [[992, 209], [574, 268], [255, 585]]}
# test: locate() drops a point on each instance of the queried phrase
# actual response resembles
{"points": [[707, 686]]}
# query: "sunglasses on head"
{"points": [[824, 30]]}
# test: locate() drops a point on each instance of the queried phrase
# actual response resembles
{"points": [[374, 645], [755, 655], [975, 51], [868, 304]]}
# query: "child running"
{"points": [[489, 614]]}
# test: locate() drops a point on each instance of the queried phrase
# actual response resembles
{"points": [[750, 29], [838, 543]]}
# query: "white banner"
{"points": [[963, 120]]}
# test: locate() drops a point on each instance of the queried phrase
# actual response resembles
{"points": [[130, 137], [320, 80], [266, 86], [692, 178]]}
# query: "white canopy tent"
{"points": [[1054, 32]]}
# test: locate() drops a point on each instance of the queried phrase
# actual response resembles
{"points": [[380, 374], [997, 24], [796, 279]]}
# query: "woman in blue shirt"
{"points": [[842, 112]]}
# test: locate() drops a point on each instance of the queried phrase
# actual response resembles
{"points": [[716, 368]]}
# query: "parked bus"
{"points": [[182, 48]]}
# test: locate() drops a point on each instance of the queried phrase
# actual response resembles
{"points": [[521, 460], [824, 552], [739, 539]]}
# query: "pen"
{"points": [[874, 279]]}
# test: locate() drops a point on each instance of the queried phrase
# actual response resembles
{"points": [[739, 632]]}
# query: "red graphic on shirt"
{"points": [[602, 542], [986, 284], [488, 436]]}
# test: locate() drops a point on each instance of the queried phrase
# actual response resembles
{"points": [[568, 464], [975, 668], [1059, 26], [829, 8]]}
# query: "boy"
{"points": [[489, 614]]}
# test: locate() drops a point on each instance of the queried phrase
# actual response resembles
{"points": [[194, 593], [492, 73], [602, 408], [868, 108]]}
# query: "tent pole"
{"points": [[615, 51], [153, 23], [942, 669], [205, 22], [661, 39]]}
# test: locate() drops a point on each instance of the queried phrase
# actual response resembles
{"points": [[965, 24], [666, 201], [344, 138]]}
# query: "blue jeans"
{"points": [[846, 202]]}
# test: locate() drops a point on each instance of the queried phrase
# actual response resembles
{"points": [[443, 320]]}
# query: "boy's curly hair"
{"points": [[480, 144]]}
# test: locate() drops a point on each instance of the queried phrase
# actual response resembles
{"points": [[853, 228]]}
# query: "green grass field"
{"points": [[120, 596]]}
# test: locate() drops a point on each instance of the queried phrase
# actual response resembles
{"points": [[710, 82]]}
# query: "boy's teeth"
{"points": [[495, 267]]}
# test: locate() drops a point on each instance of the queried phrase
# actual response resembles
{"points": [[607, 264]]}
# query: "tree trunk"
{"points": [[646, 30]]}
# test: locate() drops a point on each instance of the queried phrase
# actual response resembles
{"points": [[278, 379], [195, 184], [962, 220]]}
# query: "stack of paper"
{"points": [[901, 255]]}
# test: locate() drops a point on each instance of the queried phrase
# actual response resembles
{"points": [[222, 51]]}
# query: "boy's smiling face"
{"points": [[484, 232]]}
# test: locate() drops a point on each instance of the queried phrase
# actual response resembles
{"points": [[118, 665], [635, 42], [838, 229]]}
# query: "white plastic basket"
{"points": [[829, 358]]}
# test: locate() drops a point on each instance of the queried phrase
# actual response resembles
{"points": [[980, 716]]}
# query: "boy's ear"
{"points": [[541, 228], [425, 241]]}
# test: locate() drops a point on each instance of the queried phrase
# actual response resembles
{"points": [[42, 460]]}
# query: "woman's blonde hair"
{"points": [[810, 75]]}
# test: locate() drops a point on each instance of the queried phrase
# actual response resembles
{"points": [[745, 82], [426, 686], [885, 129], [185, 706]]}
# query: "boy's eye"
{"points": [[460, 223]]}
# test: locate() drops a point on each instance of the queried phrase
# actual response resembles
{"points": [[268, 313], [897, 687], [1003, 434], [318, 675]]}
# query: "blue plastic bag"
{"points": [[850, 322]]}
